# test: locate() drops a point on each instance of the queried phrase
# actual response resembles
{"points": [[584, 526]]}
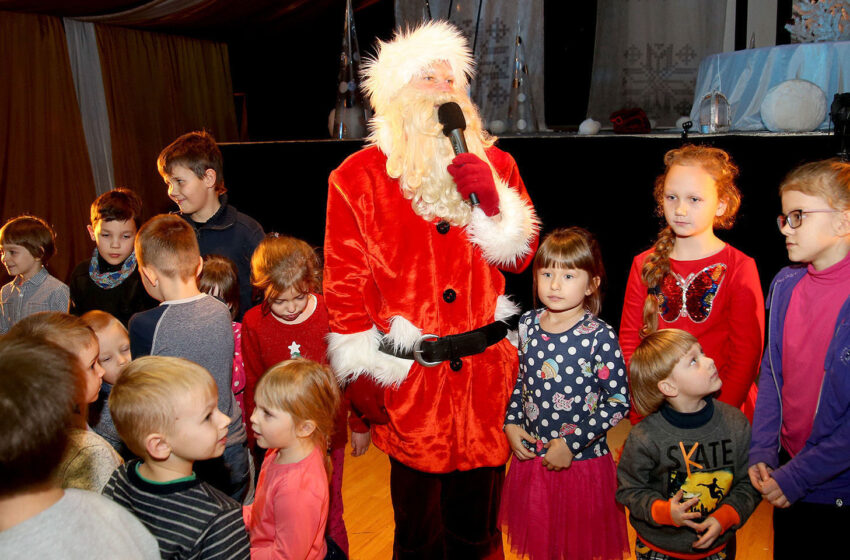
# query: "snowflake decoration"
{"points": [[826, 20]]}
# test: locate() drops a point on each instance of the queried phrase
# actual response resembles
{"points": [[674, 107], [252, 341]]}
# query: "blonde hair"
{"points": [[576, 248], [99, 321], [306, 390], [168, 243], [719, 166], [828, 179], [652, 362], [147, 396], [66, 331], [281, 262]]}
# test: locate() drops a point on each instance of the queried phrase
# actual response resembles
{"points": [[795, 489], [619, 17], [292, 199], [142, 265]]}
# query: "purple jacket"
{"points": [[821, 471]]}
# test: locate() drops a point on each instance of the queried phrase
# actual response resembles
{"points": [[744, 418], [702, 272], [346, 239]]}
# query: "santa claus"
{"points": [[416, 298]]}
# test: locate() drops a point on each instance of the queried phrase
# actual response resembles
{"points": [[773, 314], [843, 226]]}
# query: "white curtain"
{"points": [[491, 27], [647, 55], [88, 83]]}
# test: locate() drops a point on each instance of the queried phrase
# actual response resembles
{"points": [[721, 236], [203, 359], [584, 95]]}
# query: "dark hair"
{"points": [[220, 279], [168, 243], [577, 248], [117, 205], [38, 384], [31, 233], [196, 151], [719, 165]]}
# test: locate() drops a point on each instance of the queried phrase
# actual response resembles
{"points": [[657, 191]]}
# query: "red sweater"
{"points": [[729, 325], [266, 342]]}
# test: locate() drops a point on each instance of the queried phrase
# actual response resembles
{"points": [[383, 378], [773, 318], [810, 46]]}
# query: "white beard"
{"points": [[418, 153]]}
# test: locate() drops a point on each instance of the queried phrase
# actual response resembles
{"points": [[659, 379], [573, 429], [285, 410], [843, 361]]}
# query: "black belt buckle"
{"points": [[417, 350]]}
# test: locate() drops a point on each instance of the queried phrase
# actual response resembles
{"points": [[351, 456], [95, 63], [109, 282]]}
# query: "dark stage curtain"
{"points": [[158, 87], [44, 166]]}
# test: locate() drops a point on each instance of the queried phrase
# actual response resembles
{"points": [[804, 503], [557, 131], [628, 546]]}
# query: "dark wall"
{"points": [[601, 183]]}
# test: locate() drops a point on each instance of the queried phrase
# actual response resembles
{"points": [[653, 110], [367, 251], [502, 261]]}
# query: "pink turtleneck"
{"points": [[809, 328]]}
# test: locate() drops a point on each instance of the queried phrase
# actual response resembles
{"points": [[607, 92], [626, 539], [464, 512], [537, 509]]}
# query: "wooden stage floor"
{"points": [[369, 513]]}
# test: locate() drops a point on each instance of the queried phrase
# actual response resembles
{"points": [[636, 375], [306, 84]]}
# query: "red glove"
{"points": [[367, 400], [472, 175]]}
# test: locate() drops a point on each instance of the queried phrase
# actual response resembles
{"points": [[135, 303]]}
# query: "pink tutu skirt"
{"points": [[566, 515]]}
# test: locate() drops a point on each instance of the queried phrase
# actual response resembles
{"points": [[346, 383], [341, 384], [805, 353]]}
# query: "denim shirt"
{"points": [[42, 292]]}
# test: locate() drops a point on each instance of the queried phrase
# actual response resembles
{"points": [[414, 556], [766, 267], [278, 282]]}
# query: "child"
{"points": [[571, 390], [292, 322], [166, 411], [189, 324], [296, 404], [26, 244], [114, 355], [110, 279], [220, 279], [682, 474], [89, 459], [191, 166], [692, 280], [801, 435], [38, 519]]}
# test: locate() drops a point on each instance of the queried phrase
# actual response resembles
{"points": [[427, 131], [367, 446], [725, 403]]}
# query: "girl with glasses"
{"points": [[801, 435]]}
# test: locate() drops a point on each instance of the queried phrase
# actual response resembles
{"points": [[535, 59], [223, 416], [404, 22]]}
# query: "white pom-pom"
{"points": [[589, 126], [680, 121], [793, 106]]}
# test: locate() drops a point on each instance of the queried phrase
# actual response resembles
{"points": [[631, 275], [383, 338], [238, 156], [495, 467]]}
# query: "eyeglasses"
{"points": [[794, 218]]}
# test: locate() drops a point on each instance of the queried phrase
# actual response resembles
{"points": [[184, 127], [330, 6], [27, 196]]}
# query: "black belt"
{"points": [[431, 350]]}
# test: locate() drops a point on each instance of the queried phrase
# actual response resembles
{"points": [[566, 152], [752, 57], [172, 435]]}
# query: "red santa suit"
{"points": [[391, 274]]}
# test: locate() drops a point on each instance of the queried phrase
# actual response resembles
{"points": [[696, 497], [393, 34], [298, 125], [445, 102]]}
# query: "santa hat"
{"points": [[409, 53]]}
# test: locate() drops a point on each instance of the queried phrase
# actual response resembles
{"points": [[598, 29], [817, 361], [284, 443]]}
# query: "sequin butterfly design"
{"points": [[690, 297]]}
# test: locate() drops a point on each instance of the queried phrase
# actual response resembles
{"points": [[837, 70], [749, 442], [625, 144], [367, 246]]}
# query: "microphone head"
{"points": [[451, 117]]}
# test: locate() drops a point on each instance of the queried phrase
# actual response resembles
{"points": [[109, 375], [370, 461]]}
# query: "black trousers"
{"points": [[450, 515], [809, 530]]}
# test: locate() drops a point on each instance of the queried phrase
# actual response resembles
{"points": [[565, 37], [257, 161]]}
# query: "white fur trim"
{"points": [[353, 355], [508, 239], [409, 53], [403, 334], [505, 308]]}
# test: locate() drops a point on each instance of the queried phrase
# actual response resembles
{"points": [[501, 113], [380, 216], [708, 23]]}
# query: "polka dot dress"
{"points": [[571, 385]]}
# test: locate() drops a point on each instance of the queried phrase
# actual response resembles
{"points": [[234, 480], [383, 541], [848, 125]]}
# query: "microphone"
{"points": [[454, 123]]}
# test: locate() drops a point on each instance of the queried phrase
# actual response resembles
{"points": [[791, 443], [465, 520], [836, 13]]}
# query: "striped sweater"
{"points": [[188, 517]]}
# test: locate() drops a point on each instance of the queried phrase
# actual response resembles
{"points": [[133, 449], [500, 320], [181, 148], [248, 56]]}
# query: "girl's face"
{"points": [[289, 305], [563, 289], [93, 372], [690, 201], [114, 351], [274, 428], [821, 238]]}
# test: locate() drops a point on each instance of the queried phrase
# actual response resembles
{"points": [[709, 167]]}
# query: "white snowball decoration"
{"points": [[589, 126], [497, 126], [680, 121], [793, 106]]}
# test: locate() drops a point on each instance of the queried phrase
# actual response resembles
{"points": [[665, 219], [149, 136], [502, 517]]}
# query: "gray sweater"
{"points": [[654, 467]]}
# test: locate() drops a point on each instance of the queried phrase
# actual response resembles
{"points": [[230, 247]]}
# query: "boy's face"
{"points": [[694, 376], [18, 261], [193, 194], [93, 372], [199, 431], [114, 239], [114, 351]]}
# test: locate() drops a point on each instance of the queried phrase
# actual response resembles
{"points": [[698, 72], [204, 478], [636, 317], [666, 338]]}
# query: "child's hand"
{"points": [[709, 529], [759, 474], [360, 443], [558, 456], [680, 511], [773, 493], [515, 435]]}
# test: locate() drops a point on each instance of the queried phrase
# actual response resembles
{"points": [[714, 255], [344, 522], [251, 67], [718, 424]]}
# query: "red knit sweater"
{"points": [[266, 342], [729, 325]]}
